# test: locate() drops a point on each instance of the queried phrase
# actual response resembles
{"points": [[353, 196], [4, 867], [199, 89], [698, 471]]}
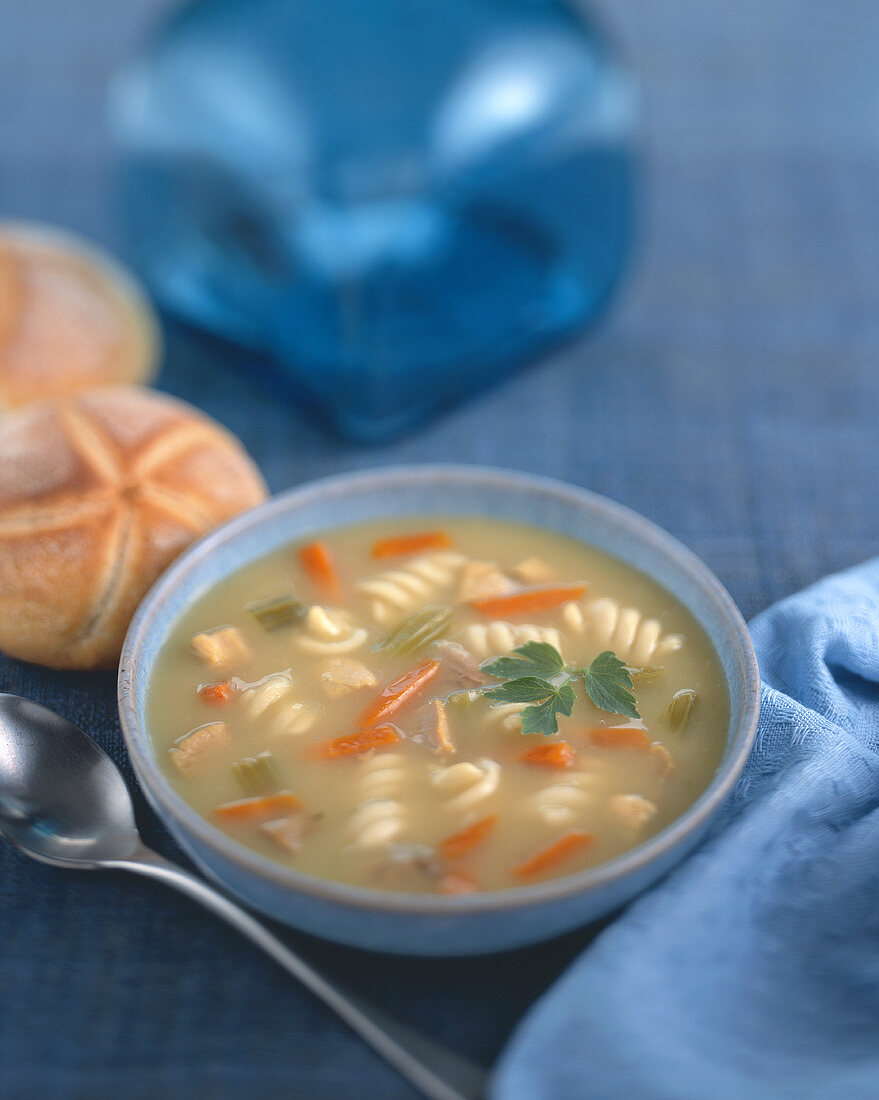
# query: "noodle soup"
{"points": [[439, 705]]}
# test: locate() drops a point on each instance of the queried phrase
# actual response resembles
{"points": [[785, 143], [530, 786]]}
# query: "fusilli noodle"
{"points": [[465, 785], [329, 632], [562, 802], [382, 774], [496, 638], [273, 701], [395, 593], [634, 639], [380, 817], [377, 821]]}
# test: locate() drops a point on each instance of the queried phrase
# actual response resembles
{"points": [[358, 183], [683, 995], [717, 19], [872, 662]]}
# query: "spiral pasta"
{"points": [[465, 785], [562, 802], [376, 822], [395, 593], [382, 774], [273, 702], [498, 637], [380, 816], [634, 639], [329, 632]]}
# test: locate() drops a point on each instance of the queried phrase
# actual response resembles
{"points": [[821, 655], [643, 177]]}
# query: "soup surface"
{"points": [[339, 706]]}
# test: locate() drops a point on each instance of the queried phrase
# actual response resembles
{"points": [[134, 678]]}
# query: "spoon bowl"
{"points": [[64, 802], [62, 799]]}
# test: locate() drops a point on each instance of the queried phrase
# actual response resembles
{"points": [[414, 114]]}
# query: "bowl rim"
{"points": [[169, 805]]}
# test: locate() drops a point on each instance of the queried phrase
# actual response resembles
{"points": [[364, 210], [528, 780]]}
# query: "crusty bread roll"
{"points": [[70, 318], [98, 494]]}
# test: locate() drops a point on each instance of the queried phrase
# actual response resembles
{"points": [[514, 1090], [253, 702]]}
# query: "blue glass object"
{"points": [[399, 200]]}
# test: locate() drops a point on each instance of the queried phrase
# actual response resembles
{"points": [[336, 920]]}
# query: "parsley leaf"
{"points": [[531, 659], [526, 689], [536, 673], [608, 684], [543, 719]]}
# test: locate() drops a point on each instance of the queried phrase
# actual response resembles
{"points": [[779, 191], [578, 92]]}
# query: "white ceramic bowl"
{"points": [[415, 923]]}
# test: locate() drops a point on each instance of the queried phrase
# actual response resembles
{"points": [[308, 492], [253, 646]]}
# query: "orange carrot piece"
{"points": [[350, 744], [459, 843], [398, 692], [217, 695], [457, 882], [261, 808], [412, 544], [620, 737], [546, 858], [317, 561], [530, 601], [559, 754]]}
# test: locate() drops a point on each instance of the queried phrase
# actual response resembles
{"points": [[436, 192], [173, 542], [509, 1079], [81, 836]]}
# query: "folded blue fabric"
{"points": [[753, 970]]}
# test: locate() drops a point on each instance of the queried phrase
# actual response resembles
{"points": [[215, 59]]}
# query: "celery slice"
{"points": [[277, 611], [678, 713], [417, 631]]}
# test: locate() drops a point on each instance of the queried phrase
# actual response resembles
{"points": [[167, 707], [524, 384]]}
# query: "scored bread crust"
{"points": [[99, 492], [70, 317]]}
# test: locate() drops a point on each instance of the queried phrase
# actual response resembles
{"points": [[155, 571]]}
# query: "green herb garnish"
{"points": [[609, 685], [536, 673], [278, 611]]}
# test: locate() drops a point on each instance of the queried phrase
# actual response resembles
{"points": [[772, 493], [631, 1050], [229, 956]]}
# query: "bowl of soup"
{"points": [[437, 710]]}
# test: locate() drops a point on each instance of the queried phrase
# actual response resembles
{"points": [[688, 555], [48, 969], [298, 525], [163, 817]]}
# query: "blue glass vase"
{"points": [[398, 200]]}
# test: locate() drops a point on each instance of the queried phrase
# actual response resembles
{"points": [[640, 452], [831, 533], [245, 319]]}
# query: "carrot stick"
{"points": [[619, 737], [557, 755], [379, 737], [398, 692], [459, 843], [217, 695], [259, 808], [528, 602], [457, 882], [317, 561], [568, 844], [412, 544]]}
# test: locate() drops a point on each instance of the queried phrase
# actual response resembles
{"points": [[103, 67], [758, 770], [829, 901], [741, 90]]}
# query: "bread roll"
{"points": [[98, 494], [70, 318]]}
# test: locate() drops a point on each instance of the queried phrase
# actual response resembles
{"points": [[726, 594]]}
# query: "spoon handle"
{"points": [[438, 1073]]}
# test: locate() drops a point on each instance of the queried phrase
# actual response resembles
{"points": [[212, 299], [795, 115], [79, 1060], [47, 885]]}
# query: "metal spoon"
{"points": [[64, 802]]}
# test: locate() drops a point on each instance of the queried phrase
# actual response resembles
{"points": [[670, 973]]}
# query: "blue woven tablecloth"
{"points": [[731, 396]]}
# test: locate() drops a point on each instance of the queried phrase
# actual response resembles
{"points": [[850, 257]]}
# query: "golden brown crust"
{"points": [[98, 494], [70, 318], [11, 295]]}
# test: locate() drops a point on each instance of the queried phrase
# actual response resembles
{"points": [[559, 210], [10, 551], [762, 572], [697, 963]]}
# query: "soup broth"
{"points": [[335, 705]]}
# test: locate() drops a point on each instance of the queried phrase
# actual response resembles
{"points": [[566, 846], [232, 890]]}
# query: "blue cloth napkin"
{"points": [[753, 970]]}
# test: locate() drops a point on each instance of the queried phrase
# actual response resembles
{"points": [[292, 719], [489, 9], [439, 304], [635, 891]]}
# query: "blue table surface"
{"points": [[730, 395]]}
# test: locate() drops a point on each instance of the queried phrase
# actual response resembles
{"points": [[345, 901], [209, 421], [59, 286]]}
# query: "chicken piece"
{"points": [[343, 675], [631, 810], [508, 715], [289, 832], [433, 726], [532, 571], [459, 664], [405, 862], [664, 763], [457, 882], [481, 579], [192, 751], [221, 648]]}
